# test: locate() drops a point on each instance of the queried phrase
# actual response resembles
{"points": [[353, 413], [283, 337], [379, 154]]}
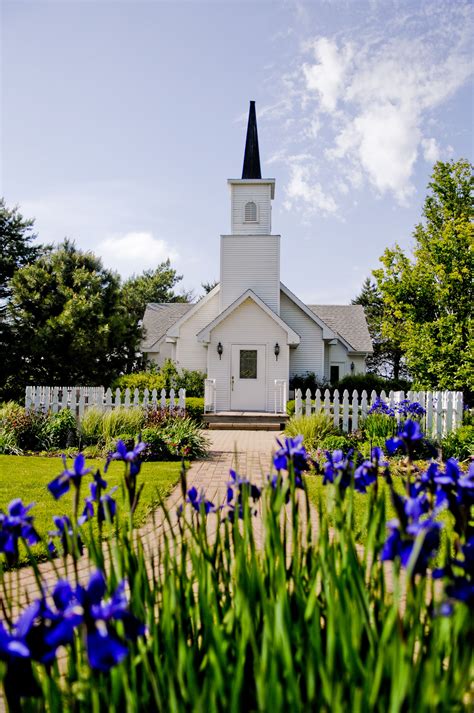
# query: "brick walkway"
{"points": [[248, 451]]}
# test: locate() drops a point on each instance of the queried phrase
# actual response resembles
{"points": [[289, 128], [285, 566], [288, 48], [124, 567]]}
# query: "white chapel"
{"points": [[250, 334]]}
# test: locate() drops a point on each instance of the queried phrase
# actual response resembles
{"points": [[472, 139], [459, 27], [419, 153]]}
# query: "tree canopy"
{"points": [[428, 296], [17, 247], [387, 358], [152, 286], [67, 313]]}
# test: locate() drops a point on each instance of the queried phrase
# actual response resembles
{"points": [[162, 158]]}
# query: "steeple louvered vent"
{"points": [[250, 212]]}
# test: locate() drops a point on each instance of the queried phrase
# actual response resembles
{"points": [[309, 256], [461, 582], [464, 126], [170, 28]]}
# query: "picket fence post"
{"points": [[335, 404], [345, 411], [298, 403], [355, 410]]}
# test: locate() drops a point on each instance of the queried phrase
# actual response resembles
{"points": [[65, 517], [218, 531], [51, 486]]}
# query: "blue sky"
{"points": [[122, 120]]}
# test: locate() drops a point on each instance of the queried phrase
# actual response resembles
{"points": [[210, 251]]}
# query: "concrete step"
{"points": [[246, 420], [245, 426]]}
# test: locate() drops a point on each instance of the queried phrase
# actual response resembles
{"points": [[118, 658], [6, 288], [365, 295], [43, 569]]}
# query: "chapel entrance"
{"points": [[248, 377]]}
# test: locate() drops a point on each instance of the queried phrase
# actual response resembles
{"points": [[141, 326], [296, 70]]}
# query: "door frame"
{"points": [[258, 347]]}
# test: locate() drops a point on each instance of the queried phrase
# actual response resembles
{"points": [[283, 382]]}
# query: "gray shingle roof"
{"points": [[348, 321], [158, 318]]}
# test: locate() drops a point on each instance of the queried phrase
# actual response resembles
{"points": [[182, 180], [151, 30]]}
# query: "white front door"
{"points": [[247, 377]]}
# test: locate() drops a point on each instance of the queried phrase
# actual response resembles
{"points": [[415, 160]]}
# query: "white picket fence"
{"points": [[443, 408], [78, 398]]}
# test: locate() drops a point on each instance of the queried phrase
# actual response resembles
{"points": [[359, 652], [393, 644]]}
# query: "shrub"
{"points": [[193, 382], [184, 438], [29, 429], [341, 443], [308, 380], [371, 382], [168, 377], [290, 407], [314, 428], [195, 408], [141, 380], [62, 429], [458, 444], [157, 448]]}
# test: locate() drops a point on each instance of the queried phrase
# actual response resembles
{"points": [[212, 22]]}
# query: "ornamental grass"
{"points": [[252, 604]]}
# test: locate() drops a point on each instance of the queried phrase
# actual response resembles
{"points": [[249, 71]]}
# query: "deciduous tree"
{"points": [[428, 296]]}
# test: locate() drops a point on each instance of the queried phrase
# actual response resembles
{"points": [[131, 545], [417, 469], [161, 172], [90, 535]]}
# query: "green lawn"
{"points": [[27, 477]]}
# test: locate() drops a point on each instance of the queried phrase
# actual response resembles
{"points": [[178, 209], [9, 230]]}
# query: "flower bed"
{"points": [[239, 616]]}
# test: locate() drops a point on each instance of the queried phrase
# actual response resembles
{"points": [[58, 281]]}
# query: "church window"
{"points": [[250, 212], [248, 364]]}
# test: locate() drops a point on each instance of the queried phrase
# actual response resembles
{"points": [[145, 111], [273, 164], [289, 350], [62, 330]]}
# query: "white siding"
{"points": [[250, 262], [260, 194], [338, 356], [309, 354], [191, 354], [164, 351], [359, 364], [248, 324]]}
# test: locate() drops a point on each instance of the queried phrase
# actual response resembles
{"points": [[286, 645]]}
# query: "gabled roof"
{"points": [[158, 318], [205, 334], [327, 331], [173, 329], [349, 322]]}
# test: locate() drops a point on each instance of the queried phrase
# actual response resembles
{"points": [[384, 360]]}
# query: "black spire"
{"points": [[251, 167]]}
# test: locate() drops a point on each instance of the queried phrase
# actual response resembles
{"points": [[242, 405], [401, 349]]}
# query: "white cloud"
{"points": [[326, 76], [370, 95], [134, 252], [431, 150], [302, 187]]}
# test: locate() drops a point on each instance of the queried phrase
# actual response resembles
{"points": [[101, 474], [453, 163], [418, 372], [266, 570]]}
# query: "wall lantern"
{"points": [[277, 350], [220, 349], [352, 367]]}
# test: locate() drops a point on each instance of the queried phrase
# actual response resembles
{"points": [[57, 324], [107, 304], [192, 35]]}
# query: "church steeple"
{"points": [[251, 168]]}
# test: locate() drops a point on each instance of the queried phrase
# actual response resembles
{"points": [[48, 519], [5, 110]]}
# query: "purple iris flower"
{"points": [[241, 484], [338, 468], [365, 475], [60, 485], [291, 452], [132, 457], [71, 541], [400, 545], [410, 408], [106, 505], [460, 587], [16, 525], [85, 606], [12, 645], [377, 456], [409, 434], [379, 406], [18, 680], [199, 502]]}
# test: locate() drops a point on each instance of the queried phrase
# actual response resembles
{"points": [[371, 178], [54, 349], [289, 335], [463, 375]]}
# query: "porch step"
{"points": [[245, 420]]}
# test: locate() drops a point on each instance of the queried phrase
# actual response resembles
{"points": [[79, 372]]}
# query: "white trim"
{"points": [[205, 334], [173, 331], [253, 181], [328, 333]]}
